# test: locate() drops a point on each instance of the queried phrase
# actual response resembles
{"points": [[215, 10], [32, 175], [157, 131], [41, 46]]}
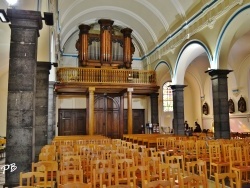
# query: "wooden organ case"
{"points": [[106, 49]]}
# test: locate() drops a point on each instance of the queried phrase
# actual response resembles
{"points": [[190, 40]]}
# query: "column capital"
{"points": [[44, 65], [177, 87], [25, 18], [218, 72], [91, 89], [130, 89]]}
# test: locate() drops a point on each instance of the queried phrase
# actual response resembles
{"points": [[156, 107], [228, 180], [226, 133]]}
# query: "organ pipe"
{"points": [[106, 42], [127, 44], [82, 44]]}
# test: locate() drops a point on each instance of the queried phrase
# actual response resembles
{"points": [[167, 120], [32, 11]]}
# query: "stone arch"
{"points": [[187, 54]]}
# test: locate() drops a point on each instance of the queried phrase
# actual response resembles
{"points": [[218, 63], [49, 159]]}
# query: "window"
{"points": [[167, 97]]}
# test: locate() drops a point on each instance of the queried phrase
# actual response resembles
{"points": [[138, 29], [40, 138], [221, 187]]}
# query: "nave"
{"points": [[102, 162]]}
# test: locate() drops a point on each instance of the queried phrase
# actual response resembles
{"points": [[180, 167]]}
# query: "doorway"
{"points": [[107, 116]]}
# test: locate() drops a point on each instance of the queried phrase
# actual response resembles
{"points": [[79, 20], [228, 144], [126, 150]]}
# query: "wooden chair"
{"points": [[202, 151], [189, 151], [50, 167], [220, 180], [160, 184], [138, 176], [69, 176], [176, 159], [237, 165], [76, 185], [121, 174], [192, 181], [216, 163], [35, 179], [153, 164], [98, 164], [164, 171], [198, 167], [160, 144], [103, 177]]}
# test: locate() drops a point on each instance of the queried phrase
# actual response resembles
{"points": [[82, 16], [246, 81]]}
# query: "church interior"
{"points": [[115, 93]]}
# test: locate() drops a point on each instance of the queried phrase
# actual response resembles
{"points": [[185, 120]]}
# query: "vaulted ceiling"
{"points": [[151, 21]]}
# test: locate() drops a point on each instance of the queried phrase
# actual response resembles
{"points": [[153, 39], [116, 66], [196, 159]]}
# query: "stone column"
{"points": [[220, 103], [41, 111], [51, 112], [178, 105], [91, 110], [130, 112], [154, 108], [20, 146]]}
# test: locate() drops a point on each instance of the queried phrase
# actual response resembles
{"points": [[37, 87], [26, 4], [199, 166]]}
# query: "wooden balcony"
{"points": [[105, 80]]}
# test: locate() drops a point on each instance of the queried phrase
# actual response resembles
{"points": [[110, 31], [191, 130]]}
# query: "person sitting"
{"points": [[197, 128]]}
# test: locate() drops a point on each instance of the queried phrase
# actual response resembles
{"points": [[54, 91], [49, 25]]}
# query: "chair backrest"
{"points": [[66, 176], [176, 159], [222, 178], [192, 181], [121, 166], [33, 178], [138, 174], [214, 152], [102, 177], [235, 157], [160, 184], [76, 185], [50, 167]]}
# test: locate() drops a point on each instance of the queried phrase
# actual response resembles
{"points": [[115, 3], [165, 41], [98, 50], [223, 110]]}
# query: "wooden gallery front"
{"points": [[105, 76]]}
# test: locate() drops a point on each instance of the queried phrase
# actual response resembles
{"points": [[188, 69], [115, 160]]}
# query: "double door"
{"points": [[107, 116]]}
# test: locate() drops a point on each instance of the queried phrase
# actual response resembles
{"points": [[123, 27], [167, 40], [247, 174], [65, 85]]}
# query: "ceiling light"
{"points": [[3, 16], [11, 2]]}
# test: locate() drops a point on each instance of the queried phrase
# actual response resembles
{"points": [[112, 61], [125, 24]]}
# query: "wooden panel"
{"points": [[72, 122], [138, 120], [99, 123]]}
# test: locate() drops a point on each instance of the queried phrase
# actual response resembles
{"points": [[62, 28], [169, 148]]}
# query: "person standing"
{"points": [[186, 126]]}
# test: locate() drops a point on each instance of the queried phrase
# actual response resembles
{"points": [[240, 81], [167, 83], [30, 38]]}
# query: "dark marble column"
{"points": [[154, 108], [178, 105], [220, 103], [25, 26], [41, 111], [51, 113]]}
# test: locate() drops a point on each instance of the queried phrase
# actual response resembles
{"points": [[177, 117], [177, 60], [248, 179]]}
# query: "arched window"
{"points": [[167, 97]]}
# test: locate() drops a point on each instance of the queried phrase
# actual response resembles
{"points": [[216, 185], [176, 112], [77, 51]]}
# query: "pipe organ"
{"points": [[105, 47]]}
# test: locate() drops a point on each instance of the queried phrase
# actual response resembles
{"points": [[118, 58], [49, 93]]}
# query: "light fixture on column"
{"points": [[3, 16], [235, 92]]}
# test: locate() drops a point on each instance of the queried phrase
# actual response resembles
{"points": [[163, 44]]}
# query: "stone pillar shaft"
{"points": [[41, 111], [220, 103], [51, 112], [130, 112], [178, 105], [154, 108], [25, 26]]}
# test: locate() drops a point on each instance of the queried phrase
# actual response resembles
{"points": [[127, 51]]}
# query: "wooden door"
{"points": [[138, 120], [107, 116], [72, 122]]}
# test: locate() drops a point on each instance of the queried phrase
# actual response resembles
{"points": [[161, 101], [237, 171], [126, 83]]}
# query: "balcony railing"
{"points": [[103, 75]]}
